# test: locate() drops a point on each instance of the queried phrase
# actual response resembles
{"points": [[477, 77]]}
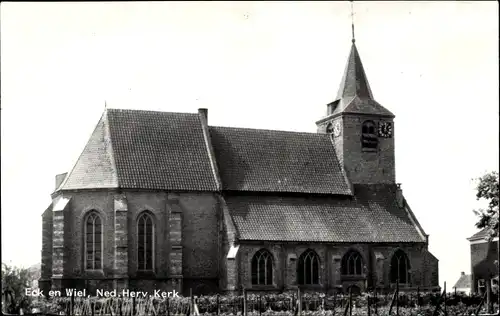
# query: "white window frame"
{"points": [[85, 253], [153, 241]]}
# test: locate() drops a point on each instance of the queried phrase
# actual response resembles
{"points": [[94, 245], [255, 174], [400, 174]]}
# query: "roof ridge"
{"points": [[267, 130], [151, 111], [110, 148]]}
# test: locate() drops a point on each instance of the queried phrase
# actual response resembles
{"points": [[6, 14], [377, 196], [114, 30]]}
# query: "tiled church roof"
{"points": [[167, 151], [371, 216], [277, 161], [144, 150]]}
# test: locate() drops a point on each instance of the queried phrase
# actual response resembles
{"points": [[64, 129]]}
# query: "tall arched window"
{"points": [[352, 263], [262, 268], [145, 240], [93, 241], [369, 138], [400, 267], [308, 268]]}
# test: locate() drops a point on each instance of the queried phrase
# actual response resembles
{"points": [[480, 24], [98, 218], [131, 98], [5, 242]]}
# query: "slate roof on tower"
{"points": [[354, 94]]}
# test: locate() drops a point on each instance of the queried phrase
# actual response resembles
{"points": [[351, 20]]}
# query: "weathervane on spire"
{"points": [[105, 105], [352, 21]]}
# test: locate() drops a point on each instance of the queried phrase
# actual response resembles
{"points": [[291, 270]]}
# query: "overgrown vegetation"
{"points": [[14, 282], [264, 305]]}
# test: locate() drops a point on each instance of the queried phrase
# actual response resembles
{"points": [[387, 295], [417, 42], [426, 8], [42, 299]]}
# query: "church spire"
{"points": [[354, 94], [354, 82]]}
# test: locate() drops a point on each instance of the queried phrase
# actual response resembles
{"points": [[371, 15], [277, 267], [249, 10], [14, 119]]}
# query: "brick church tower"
{"points": [[361, 129]]}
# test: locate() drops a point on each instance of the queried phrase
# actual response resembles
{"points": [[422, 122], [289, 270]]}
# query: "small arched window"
{"points": [[352, 263], [262, 268], [329, 128], [93, 241], [369, 138], [145, 239], [308, 268], [400, 267]]}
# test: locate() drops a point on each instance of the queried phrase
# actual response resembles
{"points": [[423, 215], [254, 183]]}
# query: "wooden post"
{"points": [[245, 307], [489, 301], [168, 306], [334, 300], [369, 306], [92, 306], [72, 304], [350, 301], [299, 301], [397, 297], [218, 307], [418, 297], [260, 304], [445, 311], [392, 301], [191, 302], [376, 301]]}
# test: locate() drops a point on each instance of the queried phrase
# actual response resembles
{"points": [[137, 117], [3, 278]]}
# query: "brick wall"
{"points": [[361, 166], [366, 167], [191, 250], [377, 260], [483, 256], [186, 240], [46, 262]]}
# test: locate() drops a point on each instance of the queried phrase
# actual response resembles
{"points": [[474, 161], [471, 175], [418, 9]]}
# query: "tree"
{"points": [[14, 282], [487, 189]]}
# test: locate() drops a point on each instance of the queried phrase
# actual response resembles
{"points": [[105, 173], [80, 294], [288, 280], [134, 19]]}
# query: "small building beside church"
{"points": [[161, 200], [463, 284], [483, 253]]}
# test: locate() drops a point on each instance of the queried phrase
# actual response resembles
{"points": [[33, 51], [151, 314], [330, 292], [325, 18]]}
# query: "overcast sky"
{"points": [[271, 65]]}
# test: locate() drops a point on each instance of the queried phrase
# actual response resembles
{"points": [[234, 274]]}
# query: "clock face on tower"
{"points": [[385, 129]]}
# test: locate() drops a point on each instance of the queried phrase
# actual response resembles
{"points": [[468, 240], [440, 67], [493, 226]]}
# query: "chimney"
{"points": [[463, 273], [59, 179], [203, 113], [399, 196]]}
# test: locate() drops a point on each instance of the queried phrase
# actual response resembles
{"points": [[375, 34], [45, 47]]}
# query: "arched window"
{"points": [[329, 128], [93, 241], [352, 263], [308, 268], [400, 267], [262, 268], [145, 239], [369, 138]]}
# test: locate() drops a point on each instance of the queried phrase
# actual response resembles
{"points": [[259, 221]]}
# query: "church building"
{"points": [[161, 200]]}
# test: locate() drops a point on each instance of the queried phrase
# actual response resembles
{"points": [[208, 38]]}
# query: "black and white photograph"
{"points": [[250, 158]]}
